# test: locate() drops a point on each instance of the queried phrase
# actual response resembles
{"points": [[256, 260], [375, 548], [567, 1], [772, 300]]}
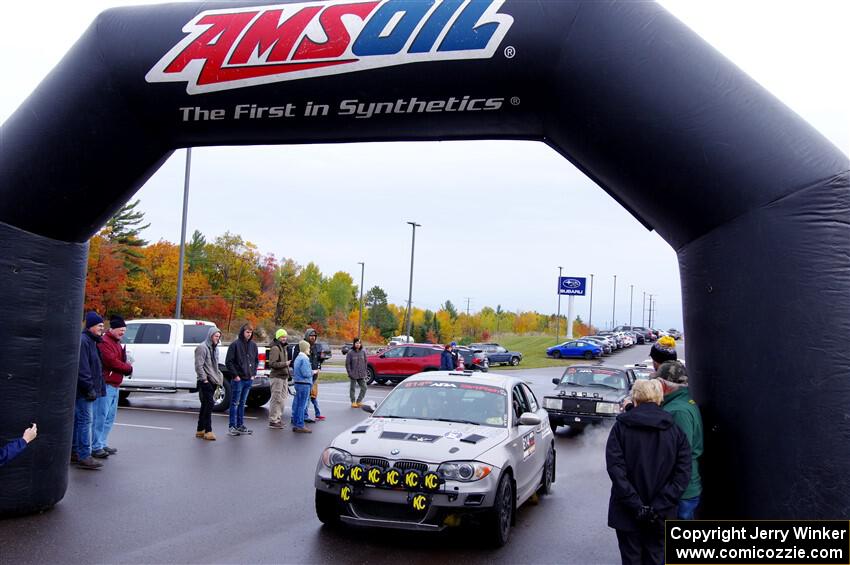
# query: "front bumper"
{"points": [[568, 418], [385, 507]]}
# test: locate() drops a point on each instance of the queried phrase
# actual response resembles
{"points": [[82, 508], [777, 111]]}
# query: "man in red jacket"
{"points": [[115, 367]]}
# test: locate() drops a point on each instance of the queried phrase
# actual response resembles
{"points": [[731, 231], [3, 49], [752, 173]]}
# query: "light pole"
{"points": [[590, 315], [631, 300], [649, 316], [558, 317], [178, 308], [360, 316], [643, 311], [614, 308], [414, 225]]}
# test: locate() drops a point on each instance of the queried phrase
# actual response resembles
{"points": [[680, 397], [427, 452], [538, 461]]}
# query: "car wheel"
{"points": [[553, 424], [371, 372], [327, 508], [588, 355], [548, 472], [122, 397], [258, 399], [514, 361], [556, 354], [381, 381], [499, 519], [221, 397]]}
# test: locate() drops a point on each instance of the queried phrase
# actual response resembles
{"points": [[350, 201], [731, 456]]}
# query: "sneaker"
{"points": [[302, 430], [233, 431], [89, 463], [321, 418], [199, 434], [244, 430], [309, 420], [276, 425], [110, 450], [209, 436], [355, 405], [100, 454]]}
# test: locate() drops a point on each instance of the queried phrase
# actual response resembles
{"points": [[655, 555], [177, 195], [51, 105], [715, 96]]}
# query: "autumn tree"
{"points": [[106, 278]]}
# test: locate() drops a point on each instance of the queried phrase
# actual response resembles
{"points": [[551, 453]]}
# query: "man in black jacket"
{"points": [[90, 386], [649, 462], [241, 361]]}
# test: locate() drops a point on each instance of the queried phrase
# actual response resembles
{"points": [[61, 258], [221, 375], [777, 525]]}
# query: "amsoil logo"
{"points": [[234, 48]]}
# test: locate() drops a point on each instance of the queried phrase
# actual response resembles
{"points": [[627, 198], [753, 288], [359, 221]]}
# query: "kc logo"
{"points": [[355, 474], [431, 481], [419, 502], [374, 476], [345, 493], [237, 47], [393, 478], [338, 471], [411, 479]]}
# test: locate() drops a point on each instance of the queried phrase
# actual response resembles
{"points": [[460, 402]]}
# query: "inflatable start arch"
{"points": [[754, 200]]}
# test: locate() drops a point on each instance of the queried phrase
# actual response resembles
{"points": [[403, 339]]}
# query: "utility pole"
{"points": [[590, 315], [631, 298], [414, 225], [643, 311], [558, 317], [614, 308], [178, 308], [360, 316], [649, 318], [467, 305]]}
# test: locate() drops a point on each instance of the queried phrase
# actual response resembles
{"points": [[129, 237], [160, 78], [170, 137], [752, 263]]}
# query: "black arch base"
{"points": [[754, 201], [41, 285]]}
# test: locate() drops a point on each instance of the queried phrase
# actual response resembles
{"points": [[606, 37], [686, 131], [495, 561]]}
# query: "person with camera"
{"points": [[14, 448], [90, 386], [649, 462]]}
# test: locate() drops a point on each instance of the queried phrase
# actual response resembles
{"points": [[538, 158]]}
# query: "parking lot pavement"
{"points": [[167, 497]]}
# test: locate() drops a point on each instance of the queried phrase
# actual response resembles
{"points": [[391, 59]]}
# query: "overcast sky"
{"points": [[498, 218]]}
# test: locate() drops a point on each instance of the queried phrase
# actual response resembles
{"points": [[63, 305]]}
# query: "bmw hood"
{"points": [[421, 440]]}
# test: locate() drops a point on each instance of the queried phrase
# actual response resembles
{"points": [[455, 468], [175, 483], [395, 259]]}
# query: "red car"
{"points": [[403, 360]]}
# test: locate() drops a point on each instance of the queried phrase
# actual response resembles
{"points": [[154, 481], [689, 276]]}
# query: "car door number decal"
{"points": [[529, 444]]}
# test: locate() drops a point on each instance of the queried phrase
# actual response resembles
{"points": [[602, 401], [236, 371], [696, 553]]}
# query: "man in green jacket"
{"points": [[685, 412]]}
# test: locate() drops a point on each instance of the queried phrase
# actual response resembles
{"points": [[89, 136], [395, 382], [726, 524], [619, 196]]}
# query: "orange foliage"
{"points": [[106, 279]]}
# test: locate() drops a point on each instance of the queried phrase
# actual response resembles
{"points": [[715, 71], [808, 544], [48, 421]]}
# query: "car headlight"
{"points": [[465, 471], [333, 456], [554, 403], [607, 408]]}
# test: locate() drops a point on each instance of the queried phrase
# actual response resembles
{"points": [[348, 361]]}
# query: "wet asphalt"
{"points": [[167, 497]]}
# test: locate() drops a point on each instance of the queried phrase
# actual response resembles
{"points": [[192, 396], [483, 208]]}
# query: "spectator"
{"points": [[115, 368], [209, 378], [302, 378], [311, 336], [455, 356], [678, 402], [662, 350], [355, 366], [279, 378], [241, 361], [447, 361], [649, 462], [14, 448], [90, 387]]}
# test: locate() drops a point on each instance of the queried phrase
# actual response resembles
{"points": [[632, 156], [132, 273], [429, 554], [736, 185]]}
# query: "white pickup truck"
{"points": [[163, 353]]}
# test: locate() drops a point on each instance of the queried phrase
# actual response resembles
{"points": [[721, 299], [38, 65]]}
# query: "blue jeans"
{"points": [[104, 416], [82, 428], [299, 404], [315, 403], [687, 507], [238, 395]]}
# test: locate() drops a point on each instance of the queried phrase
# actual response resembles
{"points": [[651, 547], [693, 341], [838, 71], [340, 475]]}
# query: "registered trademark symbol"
{"points": [[510, 52], [515, 101]]}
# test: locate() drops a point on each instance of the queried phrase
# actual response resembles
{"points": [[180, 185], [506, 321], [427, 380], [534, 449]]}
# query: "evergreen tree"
{"points": [[450, 308], [123, 230], [379, 314], [196, 252]]}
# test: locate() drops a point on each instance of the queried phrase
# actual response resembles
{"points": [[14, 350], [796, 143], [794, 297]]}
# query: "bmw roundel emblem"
{"points": [[394, 452]]}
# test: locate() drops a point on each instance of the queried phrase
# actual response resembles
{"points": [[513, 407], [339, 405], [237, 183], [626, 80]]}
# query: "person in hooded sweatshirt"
{"points": [[241, 361], [649, 462], [209, 377], [302, 379]]}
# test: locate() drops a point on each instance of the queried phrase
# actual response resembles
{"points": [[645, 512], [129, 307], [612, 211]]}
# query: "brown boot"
{"points": [[302, 430], [89, 463], [199, 434], [209, 436]]}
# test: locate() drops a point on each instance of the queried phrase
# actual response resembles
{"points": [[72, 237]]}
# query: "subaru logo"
{"points": [[571, 283], [394, 452]]}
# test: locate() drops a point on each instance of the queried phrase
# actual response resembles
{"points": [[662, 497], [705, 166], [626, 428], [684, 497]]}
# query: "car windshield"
{"points": [[592, 376], [447, 401]]}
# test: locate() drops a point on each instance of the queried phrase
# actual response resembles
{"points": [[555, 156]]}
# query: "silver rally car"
{"points": [[442, 449]]}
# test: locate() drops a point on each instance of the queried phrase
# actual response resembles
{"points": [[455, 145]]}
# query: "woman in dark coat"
{"points": [[649, 462]]}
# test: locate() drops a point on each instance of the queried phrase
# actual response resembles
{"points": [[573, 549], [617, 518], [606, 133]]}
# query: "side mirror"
{"points": [[556, 381], [369, 406], [382, 356], [529, 419]]}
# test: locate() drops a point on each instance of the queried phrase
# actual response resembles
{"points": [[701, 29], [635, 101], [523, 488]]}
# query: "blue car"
{"points": [[577, 348]]}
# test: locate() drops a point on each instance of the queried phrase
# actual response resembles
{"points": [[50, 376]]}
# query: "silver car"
{"points": [[442, 449]]}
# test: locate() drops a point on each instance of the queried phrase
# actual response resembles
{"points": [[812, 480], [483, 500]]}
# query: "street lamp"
{"points": [[590, 315], [614, 308], [414, 225], [360, 316], [631, 300], [558, 317], [179, 308]]}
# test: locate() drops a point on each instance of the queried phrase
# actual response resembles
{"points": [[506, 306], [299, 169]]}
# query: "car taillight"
{"points": [[261, 365]]}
